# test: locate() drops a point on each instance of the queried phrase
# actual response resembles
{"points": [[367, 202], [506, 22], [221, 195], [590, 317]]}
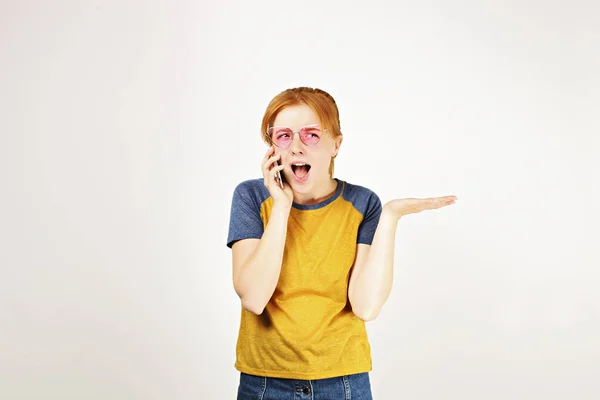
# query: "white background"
{"points": [[126, 125]]}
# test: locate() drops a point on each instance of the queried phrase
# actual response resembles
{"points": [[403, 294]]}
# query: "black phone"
{"points": [[278, 177]]}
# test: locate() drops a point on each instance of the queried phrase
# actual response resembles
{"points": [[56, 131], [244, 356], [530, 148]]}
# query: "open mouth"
{"points": [[301, 171]]}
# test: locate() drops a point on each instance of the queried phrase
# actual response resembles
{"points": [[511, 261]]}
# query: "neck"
{"points": [[323, 190]]}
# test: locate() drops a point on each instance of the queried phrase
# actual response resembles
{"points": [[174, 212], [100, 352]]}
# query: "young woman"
{"points": [[312, 259]]}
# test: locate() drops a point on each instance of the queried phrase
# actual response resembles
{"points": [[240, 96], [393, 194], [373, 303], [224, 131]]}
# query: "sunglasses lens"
{"points": [[281, 137], [310, 136]]}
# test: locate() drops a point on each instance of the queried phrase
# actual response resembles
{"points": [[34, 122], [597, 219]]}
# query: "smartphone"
{"points": [[278, 176]]}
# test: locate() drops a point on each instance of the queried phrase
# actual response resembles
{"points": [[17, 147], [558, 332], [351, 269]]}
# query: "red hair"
{"points": [[319, 100]]}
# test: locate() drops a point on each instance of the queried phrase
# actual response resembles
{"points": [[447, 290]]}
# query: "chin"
{"points": [[301, 187], [306, 186]]}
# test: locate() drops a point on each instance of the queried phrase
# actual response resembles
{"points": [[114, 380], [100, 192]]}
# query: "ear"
{"points": [[337, 143]]}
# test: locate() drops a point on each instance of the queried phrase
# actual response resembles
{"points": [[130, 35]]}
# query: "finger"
{"points": [[440, 200], [270, 169], [446, 198], [275, 169], [273, 173], [270, 161], [442, 203]]}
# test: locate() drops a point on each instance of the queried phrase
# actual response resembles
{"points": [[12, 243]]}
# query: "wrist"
{"points": [[390, 215], [281, 209]]}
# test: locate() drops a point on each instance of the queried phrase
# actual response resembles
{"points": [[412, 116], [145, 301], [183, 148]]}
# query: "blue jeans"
{"points": [[347, 387]]}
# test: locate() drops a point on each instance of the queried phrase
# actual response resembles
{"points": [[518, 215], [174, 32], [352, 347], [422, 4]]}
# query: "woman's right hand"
{"points": [[281, 197]]}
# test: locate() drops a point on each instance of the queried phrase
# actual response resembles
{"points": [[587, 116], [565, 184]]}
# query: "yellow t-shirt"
{"points": [[308, 329]]}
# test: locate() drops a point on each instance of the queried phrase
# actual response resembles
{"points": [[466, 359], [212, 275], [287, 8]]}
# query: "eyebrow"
{"points": [[305, 126]]}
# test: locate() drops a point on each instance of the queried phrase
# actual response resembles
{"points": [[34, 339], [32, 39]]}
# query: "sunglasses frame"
{"points": [[293, 133]]}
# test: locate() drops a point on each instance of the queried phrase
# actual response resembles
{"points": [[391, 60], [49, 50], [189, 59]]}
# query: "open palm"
{"points": [[400, 207]]}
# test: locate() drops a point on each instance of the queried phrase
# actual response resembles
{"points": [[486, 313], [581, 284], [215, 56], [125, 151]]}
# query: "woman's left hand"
{"points": [[401, 207]]}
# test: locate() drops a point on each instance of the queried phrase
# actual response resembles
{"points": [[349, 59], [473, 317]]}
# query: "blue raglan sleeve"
{"points": [[244, 219], [366, 229]]}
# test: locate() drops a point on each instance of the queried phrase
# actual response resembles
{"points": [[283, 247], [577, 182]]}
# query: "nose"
{"points": [[296, 147]]}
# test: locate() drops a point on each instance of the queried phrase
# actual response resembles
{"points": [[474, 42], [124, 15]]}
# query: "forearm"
{"points": [[371, 283], [259, 275]]}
